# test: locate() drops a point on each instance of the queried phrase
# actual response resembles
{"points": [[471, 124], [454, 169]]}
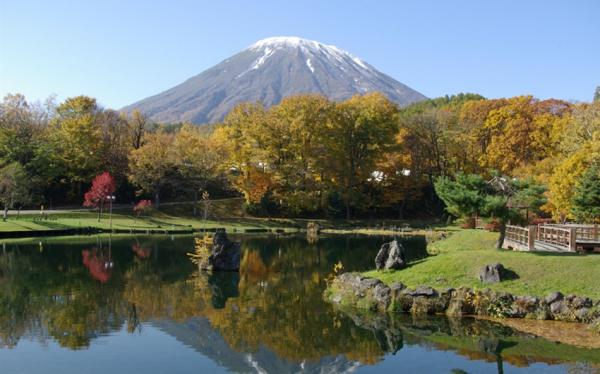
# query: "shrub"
{"points": [[142, 207]]}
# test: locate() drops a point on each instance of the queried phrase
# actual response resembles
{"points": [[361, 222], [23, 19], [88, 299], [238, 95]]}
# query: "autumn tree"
{"points": [[293, 142], [102, 187], [243, 162], [14, 187], [115, 145], [563, 181], [196, 159], [137, 128], [359, 131], [21, 128], [74, 144], [523, 132], [151, 165], [395, 183], [585, 121]]}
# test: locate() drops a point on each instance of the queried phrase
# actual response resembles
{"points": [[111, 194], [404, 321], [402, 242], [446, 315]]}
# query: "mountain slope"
{"points": [[268, 71]]}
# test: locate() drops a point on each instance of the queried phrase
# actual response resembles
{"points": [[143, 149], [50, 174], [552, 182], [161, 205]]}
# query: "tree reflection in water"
{"points": [[68, 294]]}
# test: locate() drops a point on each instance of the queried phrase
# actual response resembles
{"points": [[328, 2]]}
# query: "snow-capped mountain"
{"points": [[267, 71]]}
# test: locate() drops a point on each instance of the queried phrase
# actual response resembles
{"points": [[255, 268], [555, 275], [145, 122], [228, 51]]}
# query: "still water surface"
{"points": [[138, 305]]}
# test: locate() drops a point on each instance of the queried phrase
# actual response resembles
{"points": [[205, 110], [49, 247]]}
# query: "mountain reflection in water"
{"points": [[269, 317]]}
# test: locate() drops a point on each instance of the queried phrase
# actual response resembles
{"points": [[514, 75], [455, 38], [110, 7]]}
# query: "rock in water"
{"points": [[492, 273], [390, 256], [224, 254]]}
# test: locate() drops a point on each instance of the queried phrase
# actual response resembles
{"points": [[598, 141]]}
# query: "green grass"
{"points": [[461, 256], [227, 213], [156, 221]]}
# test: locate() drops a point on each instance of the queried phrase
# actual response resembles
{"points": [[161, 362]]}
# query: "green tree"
{"points": [[464, 196], [528, 195], [597, 94], [586, 200]]}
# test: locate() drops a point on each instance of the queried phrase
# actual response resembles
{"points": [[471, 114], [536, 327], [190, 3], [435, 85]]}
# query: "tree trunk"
{"points": [[401, 209], [5, 216], [157, 199], [502, 234], [195, 202], [18, 212], [347, 208]]}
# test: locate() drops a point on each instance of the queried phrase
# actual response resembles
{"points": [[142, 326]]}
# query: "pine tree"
{"points": [[586, 200]]}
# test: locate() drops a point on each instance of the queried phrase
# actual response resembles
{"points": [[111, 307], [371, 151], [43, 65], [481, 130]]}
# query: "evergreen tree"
{"points": [[465, 196], [586, 200]]}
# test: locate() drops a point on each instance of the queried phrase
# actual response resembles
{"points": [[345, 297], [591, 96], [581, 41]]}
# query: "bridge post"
{"points": [[573, 239], [531, 236], [595, 233]]}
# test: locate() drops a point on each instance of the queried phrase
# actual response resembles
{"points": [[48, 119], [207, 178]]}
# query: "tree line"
{"points": [[309, 156]]}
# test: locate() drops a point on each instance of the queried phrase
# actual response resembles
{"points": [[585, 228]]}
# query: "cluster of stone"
{"points": [[356, 290]]}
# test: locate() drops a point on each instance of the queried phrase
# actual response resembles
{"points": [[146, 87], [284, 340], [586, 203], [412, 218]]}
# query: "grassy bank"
{"points": [[459, 258], [227, 213], [156, 221]]}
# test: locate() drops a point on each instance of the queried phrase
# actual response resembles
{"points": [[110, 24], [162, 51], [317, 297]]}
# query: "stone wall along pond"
{"points": [[357, 291]]}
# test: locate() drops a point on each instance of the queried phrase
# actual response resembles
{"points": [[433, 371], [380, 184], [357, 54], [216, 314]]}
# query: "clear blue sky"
{"points": [[121, 51]]}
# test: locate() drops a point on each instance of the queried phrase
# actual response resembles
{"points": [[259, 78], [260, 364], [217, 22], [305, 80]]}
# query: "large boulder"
{"points": [[224, 254], [494, 273], [390, 256]]}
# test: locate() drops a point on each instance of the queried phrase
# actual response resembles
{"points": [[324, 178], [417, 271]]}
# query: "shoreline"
{"points": [[571, 333]]}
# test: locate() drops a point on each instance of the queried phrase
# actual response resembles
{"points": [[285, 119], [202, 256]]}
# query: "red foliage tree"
{"points": [[103, 186]]}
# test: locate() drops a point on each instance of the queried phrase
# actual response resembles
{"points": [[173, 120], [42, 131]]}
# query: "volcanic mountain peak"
{"points": [[268, 71]]}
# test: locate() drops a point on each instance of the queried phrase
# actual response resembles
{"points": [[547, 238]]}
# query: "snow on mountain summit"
{"points": [[267, 71], [269, 45]]}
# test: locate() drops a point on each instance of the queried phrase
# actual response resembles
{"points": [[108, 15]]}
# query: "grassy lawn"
{"points": [[155, 221], [227, 213], [460, 257]]}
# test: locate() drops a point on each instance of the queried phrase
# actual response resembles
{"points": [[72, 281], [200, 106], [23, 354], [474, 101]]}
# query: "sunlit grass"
{"points": [[465, 252]]}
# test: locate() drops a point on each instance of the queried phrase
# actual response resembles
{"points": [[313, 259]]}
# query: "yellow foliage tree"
{"points": [[562, 183]]}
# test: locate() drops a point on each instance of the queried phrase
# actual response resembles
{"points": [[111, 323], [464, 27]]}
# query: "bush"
{"points": [[493, 225], [141, 207], [469, 223]]}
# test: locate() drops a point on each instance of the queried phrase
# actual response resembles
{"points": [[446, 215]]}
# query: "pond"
{"points": [[138, 305]]}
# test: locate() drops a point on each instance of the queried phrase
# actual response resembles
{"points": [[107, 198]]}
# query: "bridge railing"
{"points": [[558, 236], [517, 234], [522, 238], [589, 233]]}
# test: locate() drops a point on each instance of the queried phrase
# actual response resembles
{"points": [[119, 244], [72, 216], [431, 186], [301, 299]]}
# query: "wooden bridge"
{"points": [[553, 238]]}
